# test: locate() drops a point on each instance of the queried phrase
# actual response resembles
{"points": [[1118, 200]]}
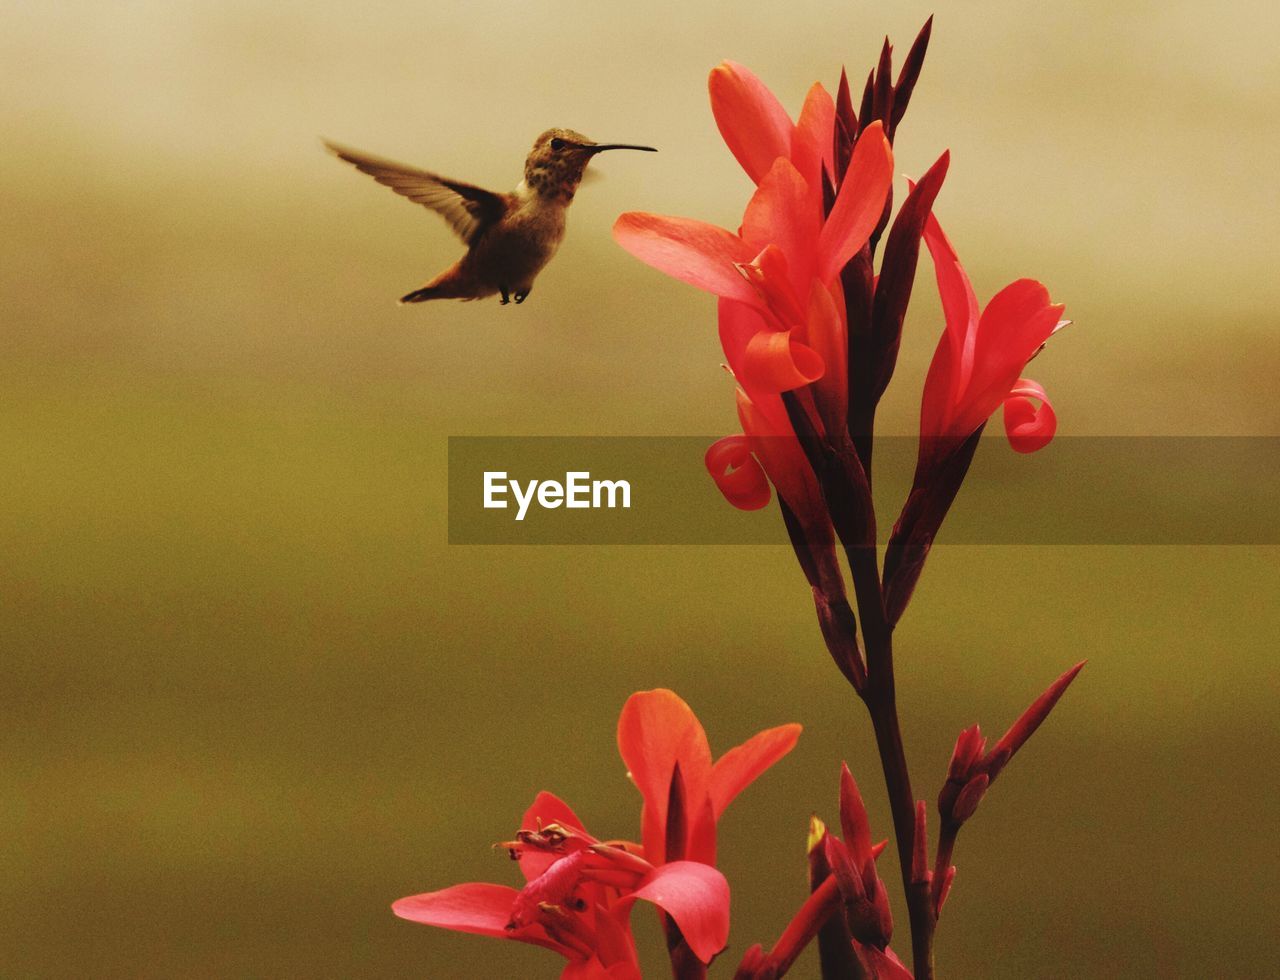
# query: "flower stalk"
{"points": [[811, 330]]}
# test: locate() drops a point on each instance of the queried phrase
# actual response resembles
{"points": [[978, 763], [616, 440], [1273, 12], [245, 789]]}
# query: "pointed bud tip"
{"points": [[945, 889], [817, 831]]}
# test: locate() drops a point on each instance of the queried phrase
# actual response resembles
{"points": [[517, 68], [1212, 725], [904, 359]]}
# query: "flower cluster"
{"points": [[811, 332], [579, 890]]}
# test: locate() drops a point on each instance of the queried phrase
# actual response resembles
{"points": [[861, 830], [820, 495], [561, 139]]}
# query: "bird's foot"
{"points": [[506, 298], [520, 296]]}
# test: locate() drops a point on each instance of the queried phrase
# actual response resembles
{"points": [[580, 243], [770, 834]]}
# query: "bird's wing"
{"points": [[468, 209]]}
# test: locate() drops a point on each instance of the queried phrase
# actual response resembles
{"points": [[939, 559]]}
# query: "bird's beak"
{"points": [[600, 147]]}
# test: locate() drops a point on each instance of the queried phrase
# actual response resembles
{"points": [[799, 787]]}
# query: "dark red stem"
{"points": [[893, 760], [880, 696]]}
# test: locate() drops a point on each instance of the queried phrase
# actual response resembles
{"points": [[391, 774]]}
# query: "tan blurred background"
{"points": [[250, 696]]}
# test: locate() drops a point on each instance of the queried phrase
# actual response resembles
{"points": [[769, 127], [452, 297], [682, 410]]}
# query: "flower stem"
{"points": [[684, 964], [893, 760], [880, 696]]}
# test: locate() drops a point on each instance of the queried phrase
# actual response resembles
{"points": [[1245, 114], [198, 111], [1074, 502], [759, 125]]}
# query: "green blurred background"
{"points": [[250, 696]]}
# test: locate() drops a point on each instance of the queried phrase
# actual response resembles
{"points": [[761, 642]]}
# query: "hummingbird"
{"points": [[509, 237]]}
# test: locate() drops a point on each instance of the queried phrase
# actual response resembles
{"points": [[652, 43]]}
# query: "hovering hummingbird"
{"points": [[509, 237]]}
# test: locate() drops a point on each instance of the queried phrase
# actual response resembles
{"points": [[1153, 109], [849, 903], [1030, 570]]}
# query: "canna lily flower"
{"points": [[668, 758], [781, 308], [979, 360], [577, 897], [976, 368], [579, 890]]}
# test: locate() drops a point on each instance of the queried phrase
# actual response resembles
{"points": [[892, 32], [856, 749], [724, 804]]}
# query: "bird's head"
{"points": [[556, 163]]}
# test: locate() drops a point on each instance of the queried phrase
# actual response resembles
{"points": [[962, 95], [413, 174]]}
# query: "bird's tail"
{"points": [[450, 284], [419, 295]]}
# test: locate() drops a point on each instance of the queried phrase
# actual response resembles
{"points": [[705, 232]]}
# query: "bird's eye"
{"points": [[557, 143]]}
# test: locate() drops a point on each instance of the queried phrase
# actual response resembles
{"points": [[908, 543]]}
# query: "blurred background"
{"points": [[251, 696]]}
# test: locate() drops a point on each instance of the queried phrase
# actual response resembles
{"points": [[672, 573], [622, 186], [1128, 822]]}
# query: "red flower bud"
{"points": [[1027, 723], [968, 799]]}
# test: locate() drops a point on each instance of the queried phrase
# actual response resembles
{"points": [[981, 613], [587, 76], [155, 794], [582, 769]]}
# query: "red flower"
{"points": [[579, 891], [781, 308], [980, 357], [660, 739]]}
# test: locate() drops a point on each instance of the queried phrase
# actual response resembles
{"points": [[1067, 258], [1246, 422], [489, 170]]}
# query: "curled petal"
{"points": [[477, 908], [755, 126], [696, 896], [743, 765], [695, 252], [737, 473], [1029, 428], [775, 362], [859, 204], [775, 445]]}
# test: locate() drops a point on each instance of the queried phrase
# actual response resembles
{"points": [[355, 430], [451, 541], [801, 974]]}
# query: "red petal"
{"points": [[743, 765], [769, 274], [1029, 428], [548, 808], [784, 212], [754, 125], [615, 946], [696, 896], [955, 349], [738, 323], [764, 420], [827, 334], [655, 731], [477, 908], [1015, 323], [737, 473], [695, 252], [858, 205], [775, 362], [812, 144]]}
